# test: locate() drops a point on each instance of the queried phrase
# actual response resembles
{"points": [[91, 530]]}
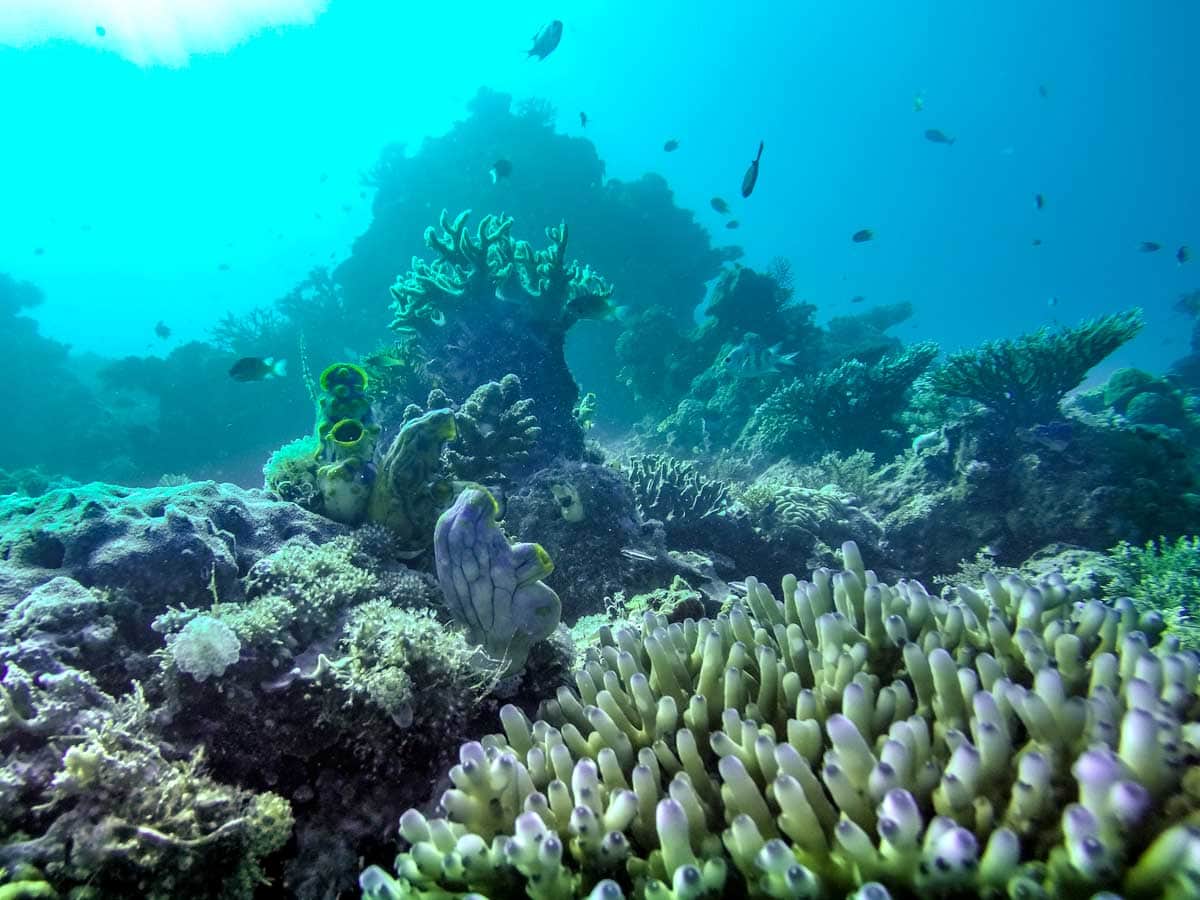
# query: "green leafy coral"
{"points": [[849, 736], [1163, 577], [1023, 380]]}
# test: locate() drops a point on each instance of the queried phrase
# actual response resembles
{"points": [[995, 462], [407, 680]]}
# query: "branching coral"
{"points": [[496, 431], [1010, 741], [853, 407], [1163, 577], [472, 269], [1023, 380]]}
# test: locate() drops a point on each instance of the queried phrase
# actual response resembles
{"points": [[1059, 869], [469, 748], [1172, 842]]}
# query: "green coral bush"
{"points": [[1016, 740], [1023, 380], [1163, 577]]}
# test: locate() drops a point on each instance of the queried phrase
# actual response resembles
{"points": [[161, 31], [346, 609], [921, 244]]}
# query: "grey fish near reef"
{"points": [[753, 359], [1183, 254], [546, 40], [751, 176], [1149, 247], [862, 236], [502, 168], [934, 136], [1055, 436], [582, 119], [719, 205], [593, 306], [162, 330], [733, 223], [671, 146], [252, 368]]}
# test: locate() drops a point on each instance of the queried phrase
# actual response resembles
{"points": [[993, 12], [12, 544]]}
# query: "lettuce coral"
{"points": [[851, 736]]}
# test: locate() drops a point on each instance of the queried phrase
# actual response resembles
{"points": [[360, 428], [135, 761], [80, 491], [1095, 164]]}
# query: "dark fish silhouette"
{"points": [[502, 168], [1037, 242], [732, 223], [162, 330], [671, 146], [1043, 91], [857, 299], [1183, 254], [1149, 247], [861, 237], [751, 176], [582, 119], [222, 267], [101, 31], [934, 136], [752, 358], [719, 205], [39, 251], [252, 368], [1039, 201], [547, 39]]}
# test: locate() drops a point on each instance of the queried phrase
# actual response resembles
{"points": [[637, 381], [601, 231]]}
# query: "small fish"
{"points": [[1183, 254], [1039, 201], [39, 251], [502, 168], [857, 298], [1053, 301], [162, 330], [918, 102], [253, 368], [753, 359], [593, 306], [1054, 436], [1149, 247], [546, 40], [751, 176], [719, 205], [1043, 91], [582, 119], [671, 146], [324, 177], [934, 136], [222, 267], [1037, 242], [733, 224], [101, 31], [862, 236]]}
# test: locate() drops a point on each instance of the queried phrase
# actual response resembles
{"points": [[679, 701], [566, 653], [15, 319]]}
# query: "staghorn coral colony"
{"points": [[514, 589]]}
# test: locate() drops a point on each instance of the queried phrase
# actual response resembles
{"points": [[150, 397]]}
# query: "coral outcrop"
{"points": [[848, 736]]}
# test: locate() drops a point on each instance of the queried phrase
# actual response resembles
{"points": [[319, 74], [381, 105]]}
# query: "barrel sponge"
{"points": [[205, 646]]}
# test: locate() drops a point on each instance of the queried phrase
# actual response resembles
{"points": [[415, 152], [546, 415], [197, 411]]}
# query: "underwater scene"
{"points": [[596, 449]]}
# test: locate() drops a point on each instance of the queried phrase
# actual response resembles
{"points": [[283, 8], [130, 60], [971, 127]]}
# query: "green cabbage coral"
{"points": [[853, 738]]}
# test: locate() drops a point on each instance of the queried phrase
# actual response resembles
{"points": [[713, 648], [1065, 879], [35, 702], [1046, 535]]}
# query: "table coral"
{"points": [[849, 735]]}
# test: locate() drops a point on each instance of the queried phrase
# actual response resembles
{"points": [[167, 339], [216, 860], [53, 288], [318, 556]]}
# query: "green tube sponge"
{"points": [[495, 588]]}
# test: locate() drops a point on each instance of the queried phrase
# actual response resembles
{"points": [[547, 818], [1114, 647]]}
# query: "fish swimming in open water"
{"points": [[162, 330], [1150, 247], [752, 358], [934, 136], [862, 236], [751, 176], [719, 205], [502, 168], [582, 119], [671, 146], [547, 39], [253, 368]]}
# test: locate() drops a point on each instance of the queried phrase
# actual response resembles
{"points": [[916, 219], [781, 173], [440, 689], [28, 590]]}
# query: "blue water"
{"points": [[141, 161]]}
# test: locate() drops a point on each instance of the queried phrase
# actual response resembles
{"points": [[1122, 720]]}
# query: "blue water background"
{"points": [[139, 181]]}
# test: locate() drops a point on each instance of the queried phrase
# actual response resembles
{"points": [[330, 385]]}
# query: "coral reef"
{"points": [[1021, 382], [586, 516], [497, 432], [490, 305], [493, 587], [854, 736], [156, 545], [853, 407], [1162, 577]]}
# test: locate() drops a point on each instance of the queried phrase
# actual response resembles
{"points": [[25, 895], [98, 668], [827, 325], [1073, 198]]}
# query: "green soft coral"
{"points": [[1163, 577]]}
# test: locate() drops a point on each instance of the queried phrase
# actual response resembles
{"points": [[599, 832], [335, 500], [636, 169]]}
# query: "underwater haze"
{"points": [[599, 450]]}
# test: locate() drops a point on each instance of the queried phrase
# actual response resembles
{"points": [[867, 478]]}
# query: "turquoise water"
{"points": [[201, 158]]}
